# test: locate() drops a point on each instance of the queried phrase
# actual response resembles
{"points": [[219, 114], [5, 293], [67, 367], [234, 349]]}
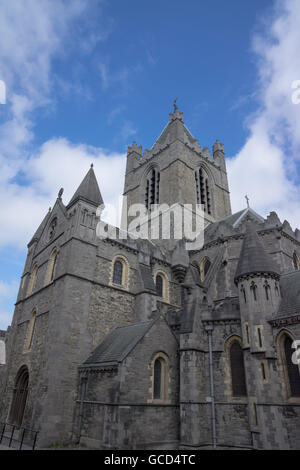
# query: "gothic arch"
{"points": [[290, 372], [50, 272], [160, 376], [205, 266], [32, 280], [20, 393], [296, 261], [150, 186], [235, 368], [204, 184], [254, 291], [30, 331]]}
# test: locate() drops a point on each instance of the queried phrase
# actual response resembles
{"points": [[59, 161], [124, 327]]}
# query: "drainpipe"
{"points": [[83, 380], [209, 330]]}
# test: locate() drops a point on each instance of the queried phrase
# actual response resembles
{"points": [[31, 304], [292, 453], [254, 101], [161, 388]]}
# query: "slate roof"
{"points": [[214, 268], [88, 190], [290, 291], [117, 344], [232, 220], [253, 257]]}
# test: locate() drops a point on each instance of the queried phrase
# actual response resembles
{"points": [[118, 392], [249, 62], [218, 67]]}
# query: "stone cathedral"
{"points": [[143, 344]]}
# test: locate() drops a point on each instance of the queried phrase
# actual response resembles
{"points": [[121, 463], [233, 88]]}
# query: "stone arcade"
{"points": [[141, 344]]}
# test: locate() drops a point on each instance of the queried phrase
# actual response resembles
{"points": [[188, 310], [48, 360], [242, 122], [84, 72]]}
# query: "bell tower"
{"points": [[178, 170]]}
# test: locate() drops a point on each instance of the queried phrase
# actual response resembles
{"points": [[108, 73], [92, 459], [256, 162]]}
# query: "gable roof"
{"points": [[232, 221], [88, 190], [247, 213], [117, 344], [40, 229], [253, 257], [290, 291]]}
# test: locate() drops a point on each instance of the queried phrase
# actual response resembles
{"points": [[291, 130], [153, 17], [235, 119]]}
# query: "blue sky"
{"points": [[86, 78]]}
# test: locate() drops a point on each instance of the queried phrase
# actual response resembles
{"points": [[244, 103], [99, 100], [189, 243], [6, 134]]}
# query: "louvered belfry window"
{"points": [[152, 188], [203, 190], [292, 369], [237, 370]]}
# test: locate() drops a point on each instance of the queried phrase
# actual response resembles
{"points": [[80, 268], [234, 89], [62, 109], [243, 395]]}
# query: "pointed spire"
{"points": [[253, 257], [88, 190]]}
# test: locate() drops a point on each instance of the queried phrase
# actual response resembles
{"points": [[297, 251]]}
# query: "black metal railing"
{"points": [[28, 434]]}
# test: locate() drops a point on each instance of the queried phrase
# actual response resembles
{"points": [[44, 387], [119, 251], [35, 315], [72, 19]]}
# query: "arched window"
{"points": [[19, 397], [32, 280], [238, 381], [118, 272], [291, 369], [160, 375], [152, 188], [253, 288], [159, 285], [296, 261], [30, 331], [259, 336], [51, 267], [162, 285], [247, 335], [263, 370], [267, 290], [203, 190], [244, 293], [157, 387], [204, 268]]}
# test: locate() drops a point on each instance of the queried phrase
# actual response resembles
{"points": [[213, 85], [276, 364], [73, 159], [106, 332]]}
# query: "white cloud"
{"points": [[266, 166], [35, 33], [8, 294], [57, 163]]}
